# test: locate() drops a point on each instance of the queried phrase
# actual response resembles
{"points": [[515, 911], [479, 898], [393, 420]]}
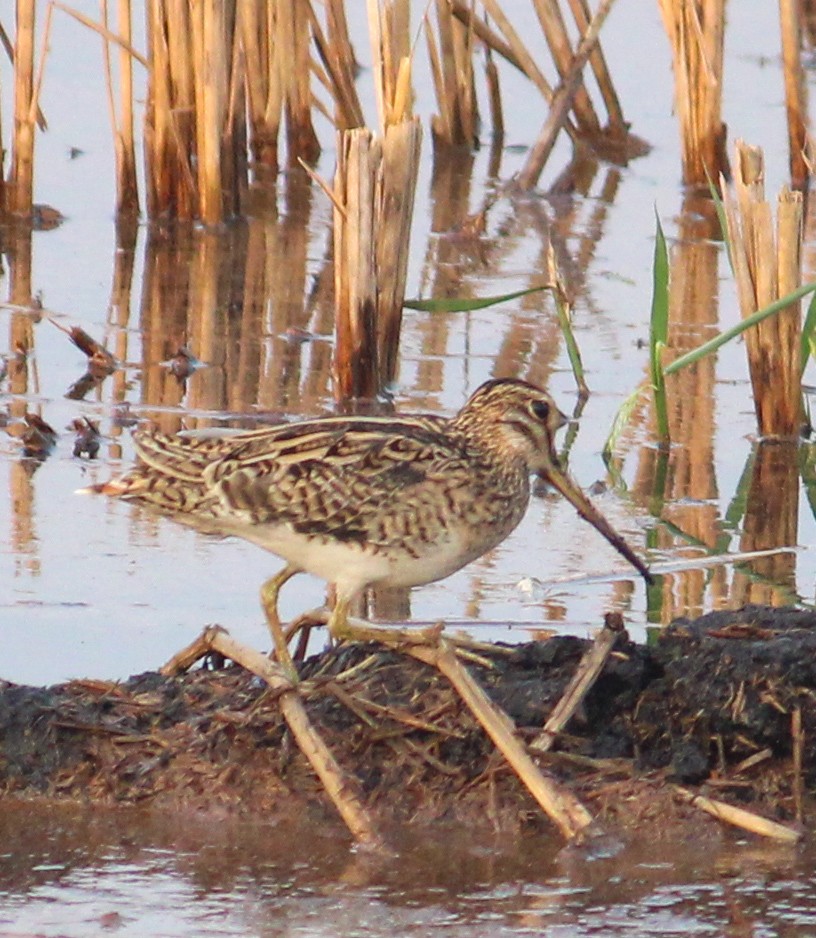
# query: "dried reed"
{"points": [[256, 29], [373, 196], [337, 55], [291, 43], [795, 90], [124, 141], [696, 33], [767, 268], [451, 59], [20, 194], [563, 100]]}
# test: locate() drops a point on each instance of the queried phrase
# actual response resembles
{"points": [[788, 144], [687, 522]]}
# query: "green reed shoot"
{"points": [[658, 335], [659, 332], [456, 305]]}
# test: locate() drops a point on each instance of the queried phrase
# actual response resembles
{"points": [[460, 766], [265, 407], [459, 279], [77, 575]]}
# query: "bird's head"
{"points": [[521, 420]]}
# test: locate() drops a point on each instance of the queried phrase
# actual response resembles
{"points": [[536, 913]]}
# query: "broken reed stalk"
{"points": [[739, 817], [124, 143], [767, 268], [337, 784], [562, 102], [20, 190], [457, 123], [395, 207], [696, 33], [559, 804], [587, 672], [374, 191], [373, 196], [355, 289], [256, 28], [795, 90]]}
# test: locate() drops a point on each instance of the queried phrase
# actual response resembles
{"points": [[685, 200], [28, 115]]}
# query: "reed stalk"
{"points": [[696, 32], [169, 113], [451, 58], [373, 197], [256, 28], [555, 32], [20, 195], [356, 372], [795, 90], [563, 101], [766, 268], [337, 55], [124, 143], [616, 122], [294, 66], [394, 211], [210, 42], [127, 185]]}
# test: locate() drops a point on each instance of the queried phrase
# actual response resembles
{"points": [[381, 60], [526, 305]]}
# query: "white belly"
{"points": [[352, 567]]}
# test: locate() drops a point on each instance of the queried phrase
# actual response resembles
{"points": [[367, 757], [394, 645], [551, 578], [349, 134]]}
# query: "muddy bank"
{"points": [[715, 703]]}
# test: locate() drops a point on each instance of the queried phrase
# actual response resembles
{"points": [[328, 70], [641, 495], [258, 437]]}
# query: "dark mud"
{"points": [[712, 703]]}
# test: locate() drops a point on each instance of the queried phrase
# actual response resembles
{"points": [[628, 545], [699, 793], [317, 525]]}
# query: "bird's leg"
{"points": [[301, 628], [338, 624], [269, 600]]}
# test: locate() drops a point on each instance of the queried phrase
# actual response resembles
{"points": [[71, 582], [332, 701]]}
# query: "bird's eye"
{"points": [[541, 409]]}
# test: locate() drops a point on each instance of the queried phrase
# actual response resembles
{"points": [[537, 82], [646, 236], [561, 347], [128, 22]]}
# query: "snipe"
{"points": [[357, 501]]}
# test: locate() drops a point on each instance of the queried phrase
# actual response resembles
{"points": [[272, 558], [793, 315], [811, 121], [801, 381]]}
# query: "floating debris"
{"points": [[88, 439], [123, 416], [182, 364], [39, 437]]}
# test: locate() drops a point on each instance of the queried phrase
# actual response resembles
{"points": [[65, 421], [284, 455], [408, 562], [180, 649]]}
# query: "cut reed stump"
{"points": [[373, 198], [696, 31], [767, 267], [790, 19]]}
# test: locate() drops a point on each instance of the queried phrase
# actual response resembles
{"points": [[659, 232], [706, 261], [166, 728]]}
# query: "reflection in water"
{"points": [[684, 490], [681, 487], [251, 304], [73, 871], [771, 520]]}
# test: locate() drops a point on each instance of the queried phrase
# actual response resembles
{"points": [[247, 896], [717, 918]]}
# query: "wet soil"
{"points": [[713, 702]]}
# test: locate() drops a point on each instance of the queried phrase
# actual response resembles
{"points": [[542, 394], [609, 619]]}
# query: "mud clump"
{"points": [[713, 701]]}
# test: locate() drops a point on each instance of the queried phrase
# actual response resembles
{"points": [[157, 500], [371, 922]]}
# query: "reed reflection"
{"points": [[771, 520], [683, 492], [245, 302], [22, 381]]}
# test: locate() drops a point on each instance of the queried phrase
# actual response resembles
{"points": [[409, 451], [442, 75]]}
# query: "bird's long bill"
{"points": [[558, 478]]}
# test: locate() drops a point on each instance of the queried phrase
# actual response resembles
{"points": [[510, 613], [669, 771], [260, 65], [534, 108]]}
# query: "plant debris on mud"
{"points": [[712, 702]]}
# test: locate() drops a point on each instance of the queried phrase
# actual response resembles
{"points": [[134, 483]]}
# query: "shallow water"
{"points": [[98, 589], [93, 588], [77, 872]]}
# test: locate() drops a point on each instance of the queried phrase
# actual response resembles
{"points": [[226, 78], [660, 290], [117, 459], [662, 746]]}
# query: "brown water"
{"points": [[81, 872], [90, 588]]}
